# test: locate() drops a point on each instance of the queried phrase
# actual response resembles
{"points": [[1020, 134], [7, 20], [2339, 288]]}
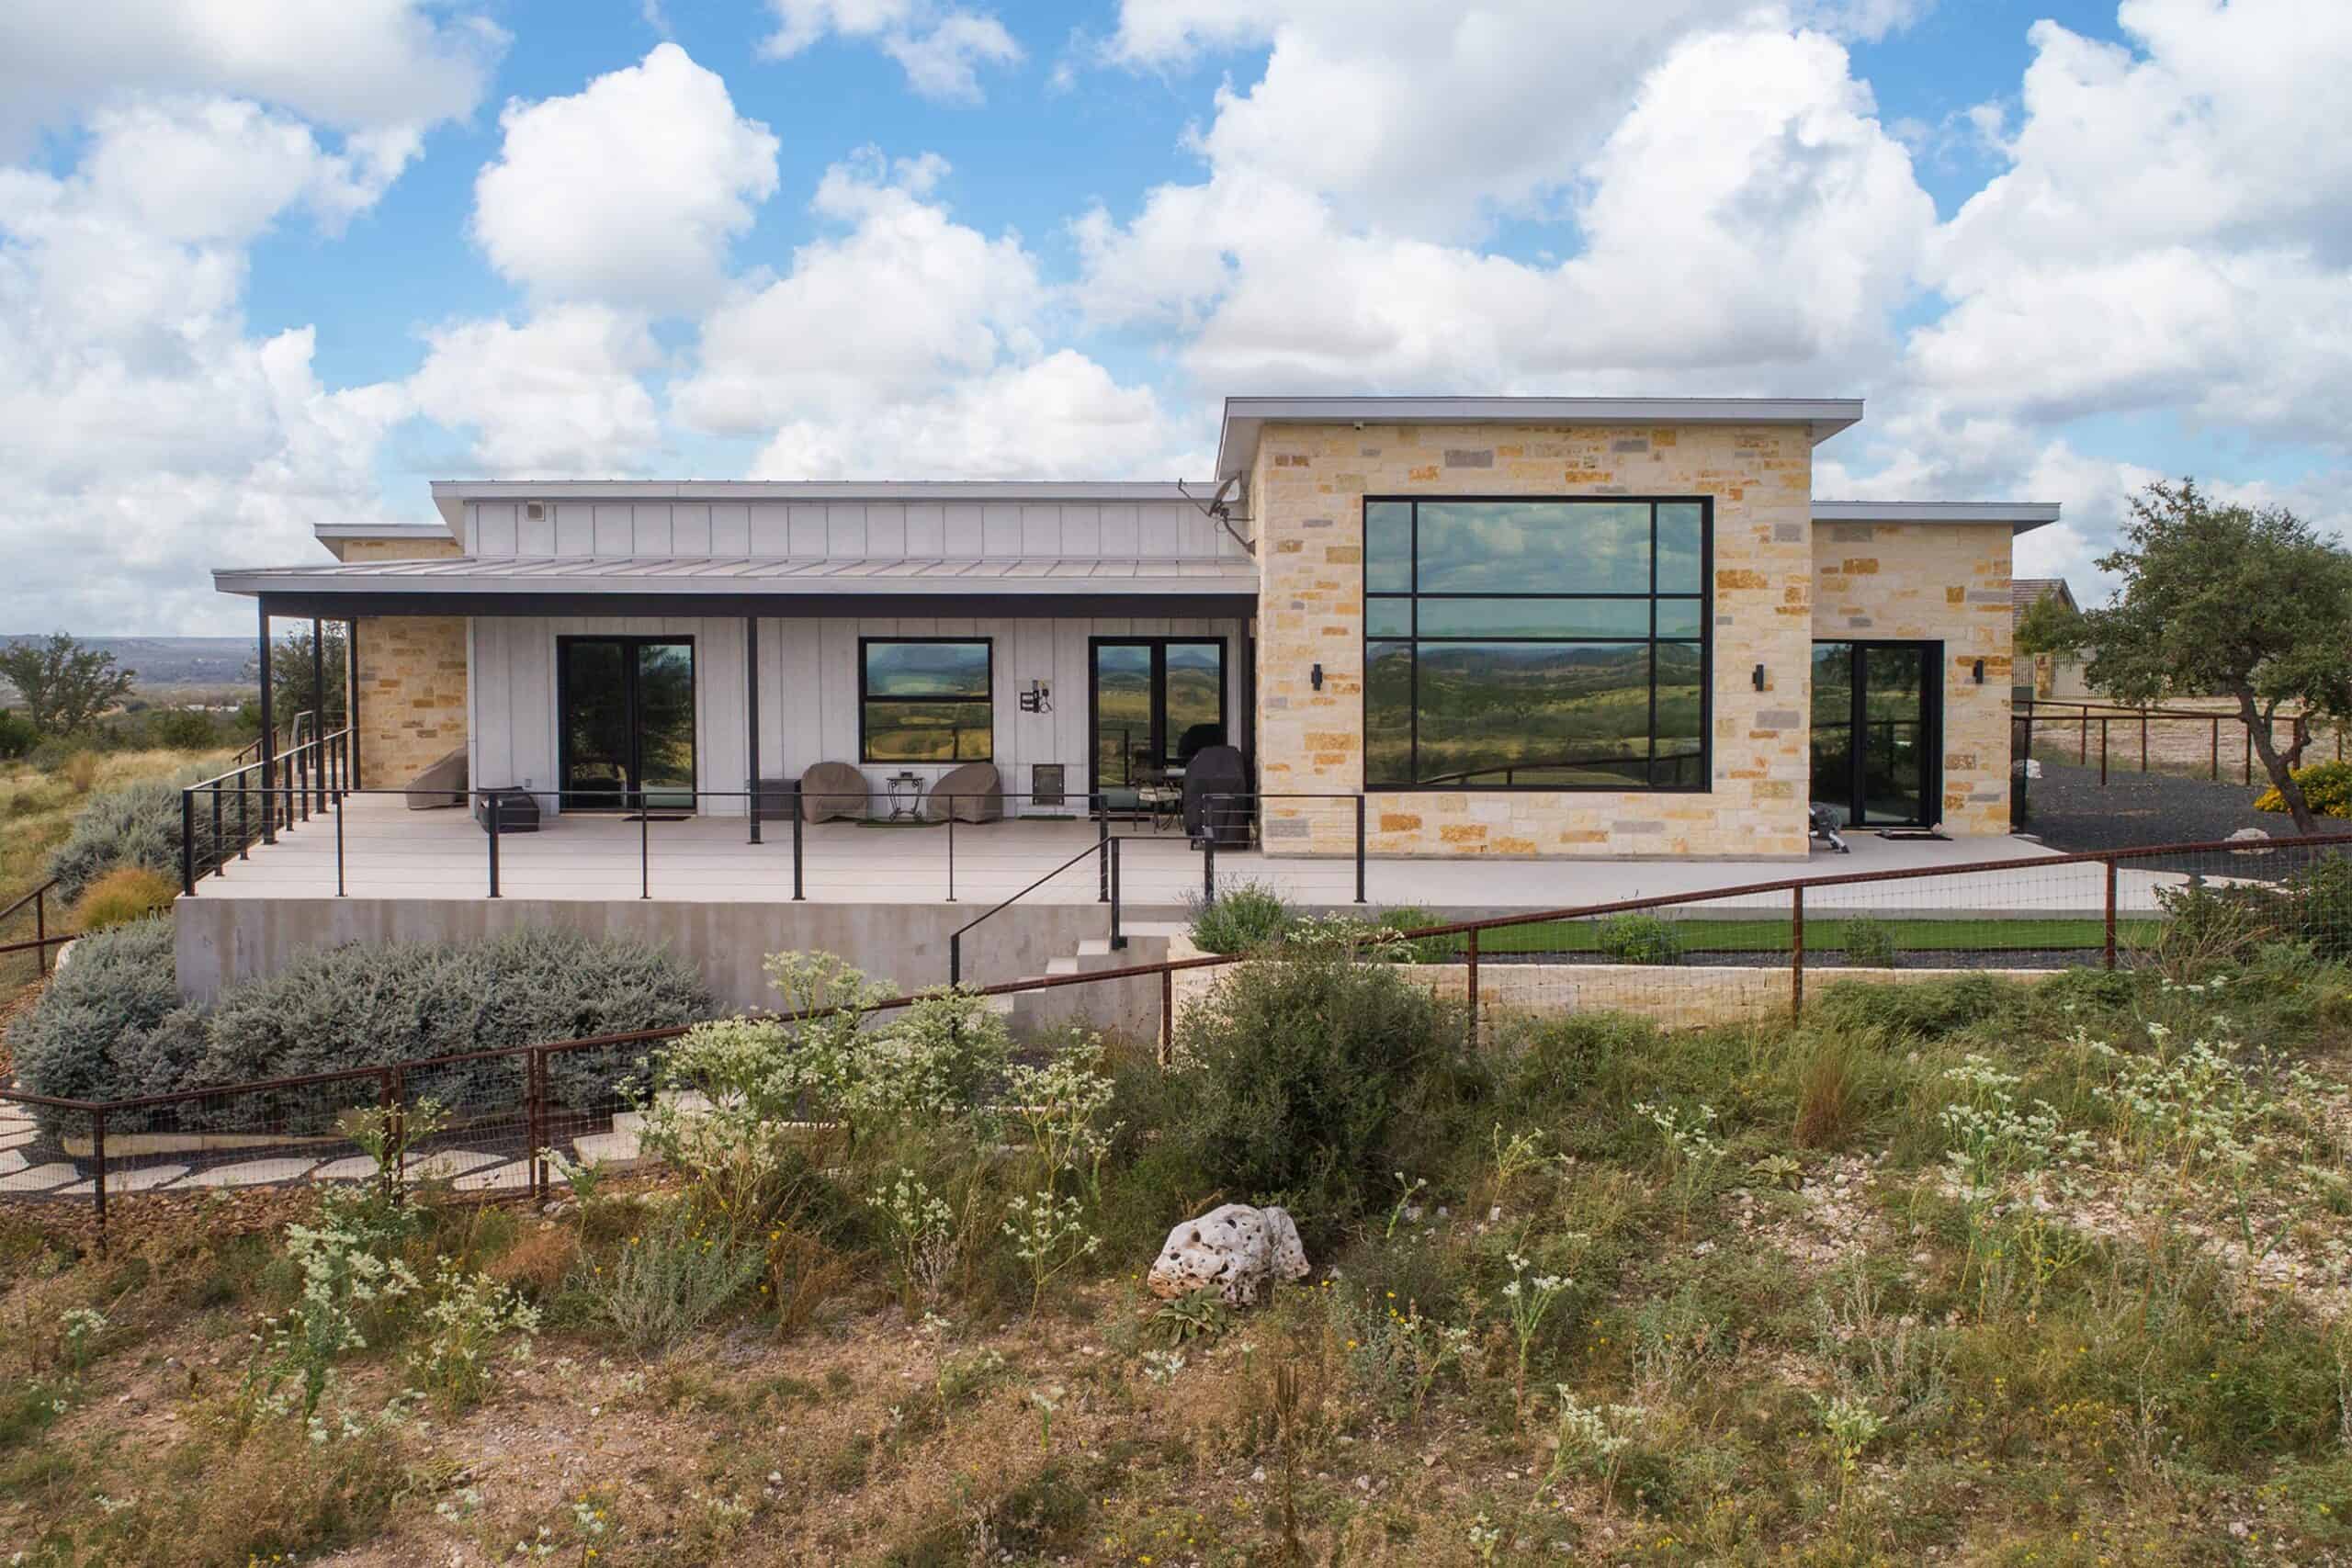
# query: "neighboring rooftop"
{"points": [[2025, 592]]}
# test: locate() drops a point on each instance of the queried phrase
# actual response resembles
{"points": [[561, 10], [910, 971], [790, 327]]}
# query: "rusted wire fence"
{"points": [[1758, 951], [2212, 743]]}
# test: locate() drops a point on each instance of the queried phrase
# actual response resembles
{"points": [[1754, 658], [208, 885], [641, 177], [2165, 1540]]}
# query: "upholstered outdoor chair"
{"points": [[833, 789], [974, 793]]}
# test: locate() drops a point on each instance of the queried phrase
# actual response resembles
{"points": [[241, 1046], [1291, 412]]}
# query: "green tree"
{"points": [[290, 690], [2223, 599], [66, 685], [2049, 625]]}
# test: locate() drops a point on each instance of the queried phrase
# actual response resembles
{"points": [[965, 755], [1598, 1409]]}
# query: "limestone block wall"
{"points": [[412, 706], [1947, 582], [1307, 497]]}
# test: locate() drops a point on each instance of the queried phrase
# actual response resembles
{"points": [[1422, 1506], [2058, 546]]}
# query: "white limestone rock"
{"points": [[1233, 1250]]}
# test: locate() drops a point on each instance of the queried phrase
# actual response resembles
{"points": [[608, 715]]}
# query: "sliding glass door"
{"points": [[626, 708], [1877, 731], [1155, 703]]}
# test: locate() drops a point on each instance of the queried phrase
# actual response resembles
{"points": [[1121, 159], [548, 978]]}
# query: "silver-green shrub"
{"points": [[136, 825], [111, 1024]]}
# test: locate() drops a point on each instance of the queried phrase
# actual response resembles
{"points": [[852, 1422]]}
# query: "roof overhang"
{"points": [[451, 495], [750, 585], [1245, 418], [2020, 516]]}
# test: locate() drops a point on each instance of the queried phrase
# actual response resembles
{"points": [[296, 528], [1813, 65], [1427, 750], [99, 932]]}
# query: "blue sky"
{"points": [[255, 277]]}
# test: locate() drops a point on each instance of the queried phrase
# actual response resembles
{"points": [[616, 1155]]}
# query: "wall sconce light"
{"points": [[1758, 677], [1979, 672], [1315, 677], [1038, 698]]}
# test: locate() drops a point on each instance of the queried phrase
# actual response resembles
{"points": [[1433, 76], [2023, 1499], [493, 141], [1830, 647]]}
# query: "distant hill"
{"points": [[168, 664]]}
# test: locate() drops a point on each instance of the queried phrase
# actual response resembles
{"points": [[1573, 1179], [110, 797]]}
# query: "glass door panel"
{"points": [[596, 726], [1192, 701], [1894, 734], [1833, 727], [627, 723], [665, 725], [1123, 748]]}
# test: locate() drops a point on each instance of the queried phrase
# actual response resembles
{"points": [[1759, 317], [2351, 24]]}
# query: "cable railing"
{"points": [[517, 1102]]}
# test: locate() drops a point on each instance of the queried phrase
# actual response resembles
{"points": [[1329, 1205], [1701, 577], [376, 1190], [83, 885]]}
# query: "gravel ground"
{"points": [[2071, 812]]}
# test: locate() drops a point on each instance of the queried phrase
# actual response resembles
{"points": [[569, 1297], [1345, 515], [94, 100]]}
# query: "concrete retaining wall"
{"points": [[225, 940]]}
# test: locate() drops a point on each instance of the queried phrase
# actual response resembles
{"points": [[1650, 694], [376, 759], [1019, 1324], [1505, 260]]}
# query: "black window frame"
{"points": [[865, 748], [568, 799], [1412, 596]]}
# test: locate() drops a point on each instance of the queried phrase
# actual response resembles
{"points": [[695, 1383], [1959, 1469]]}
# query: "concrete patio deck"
{"points": [[389, 852]]}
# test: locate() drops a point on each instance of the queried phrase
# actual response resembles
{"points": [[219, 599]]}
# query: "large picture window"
{"points": [[1534, 644], [925, 701]]}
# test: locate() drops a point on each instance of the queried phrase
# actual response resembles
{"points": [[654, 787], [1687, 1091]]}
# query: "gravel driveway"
{"points": [[2071, 812]]}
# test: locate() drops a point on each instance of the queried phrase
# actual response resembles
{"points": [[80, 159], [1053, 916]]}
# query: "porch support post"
{"points": [[318, 710], [351, 699], [267, 761], [752, 719]]}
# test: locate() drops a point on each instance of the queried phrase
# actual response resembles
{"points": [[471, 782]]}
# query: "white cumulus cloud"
{"points": [[941, 47]]}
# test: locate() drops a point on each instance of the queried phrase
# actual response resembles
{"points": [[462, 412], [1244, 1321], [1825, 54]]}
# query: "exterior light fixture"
{"points": [[1979, 672], [1315, 677], [1759, 677]]}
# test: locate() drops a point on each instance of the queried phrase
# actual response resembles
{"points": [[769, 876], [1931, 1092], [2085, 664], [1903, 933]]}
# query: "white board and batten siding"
{"points": [[809, 693], [847, 530]]}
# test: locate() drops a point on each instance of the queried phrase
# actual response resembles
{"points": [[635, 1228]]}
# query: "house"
{"points": [[2048, 676], [1510, 628]]}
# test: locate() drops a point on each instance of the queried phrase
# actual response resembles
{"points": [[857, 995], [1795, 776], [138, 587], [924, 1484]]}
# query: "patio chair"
{"points": [[440, 784], [833, 789], [973, 793]]}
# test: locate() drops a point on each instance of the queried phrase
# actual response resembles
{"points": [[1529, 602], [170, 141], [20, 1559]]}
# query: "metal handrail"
{"points": [[1208, 831], [1104, 848]]}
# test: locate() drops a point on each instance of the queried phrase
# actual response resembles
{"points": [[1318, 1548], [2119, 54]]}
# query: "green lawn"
{"points": [[1771, 934]]}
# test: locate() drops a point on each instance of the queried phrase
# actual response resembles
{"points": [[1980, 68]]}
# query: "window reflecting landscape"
{"points": [[1540, 644], [927, 702]]}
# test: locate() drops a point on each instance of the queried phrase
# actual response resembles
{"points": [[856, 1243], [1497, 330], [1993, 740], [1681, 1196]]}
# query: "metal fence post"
{"points": [[99, 1169], [955, 960], [2102, 751], [1208, 861], [1796, 952], [2249, 754], [2111, 912], [1102, 852], [490, 811], [1167, 1016], [644, 846], [1360, 846], [2217, 749], [950, 848], [220, 856], [40, 926], [338, 847], [1470, 984], [2143, 741], [796, 842], [534, 1116]]}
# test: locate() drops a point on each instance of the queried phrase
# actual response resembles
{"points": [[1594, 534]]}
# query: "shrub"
{"points": [[2327, 789], [137, 824], [1241, 918], [1869, 942], [81, 771], [1306, 1070], [17, 737], [1641, 939], [2207, 923], [1422, 950], [125, 894], [674, 1276], [362, 1006], [183, 729], [112, 1025]]}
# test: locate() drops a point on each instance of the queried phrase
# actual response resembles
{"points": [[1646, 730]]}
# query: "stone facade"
{"points": [[1945, 582], [412, 677], [1306, 496]]}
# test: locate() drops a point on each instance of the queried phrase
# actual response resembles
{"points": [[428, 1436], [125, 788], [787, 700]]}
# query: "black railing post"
{"points": [[1208, 857], [950, 848], [489, 825], [1359, 847], [1103, 850], [644, 846], [244, 818], [955, 959], [40, 926], [187, 842], [220, 855], [1117, 942], [752, 714], [796, 842], [338, 847]]}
